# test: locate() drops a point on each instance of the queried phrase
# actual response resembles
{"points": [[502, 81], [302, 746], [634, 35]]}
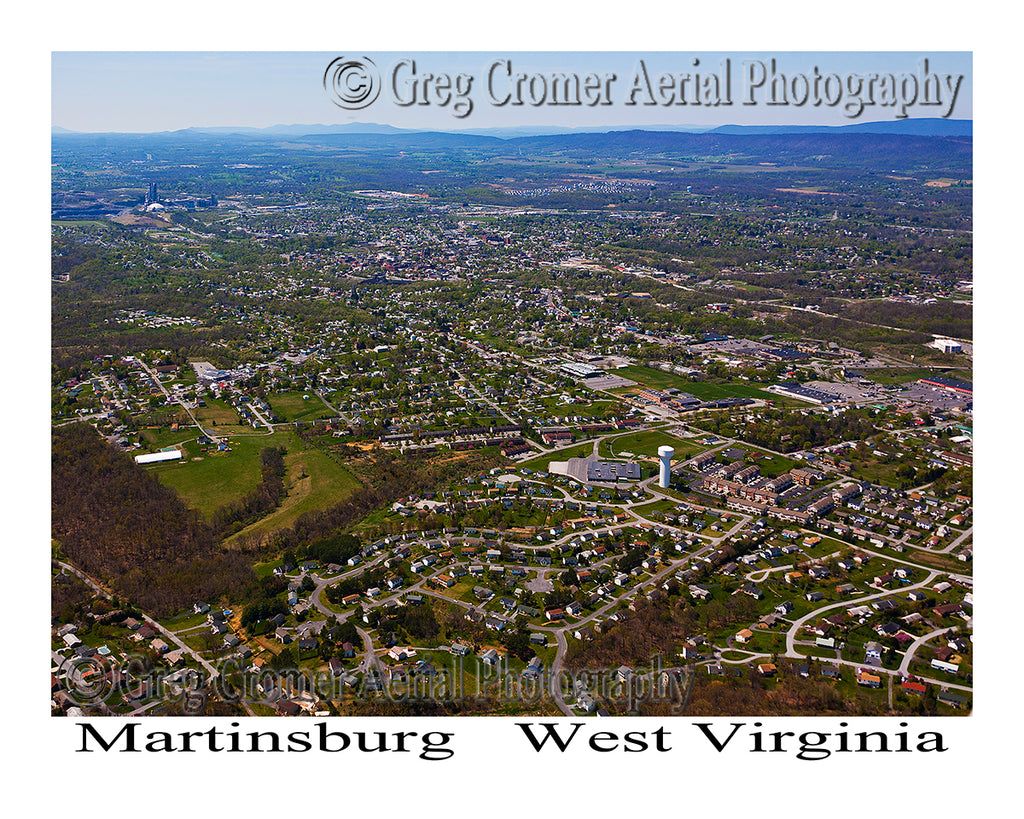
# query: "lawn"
{"points": [[216, 413], [291, 406], [541, 462], [165, 436], [312, 480], [207, 481], [647, 443], [648, 509], [660, 380]]}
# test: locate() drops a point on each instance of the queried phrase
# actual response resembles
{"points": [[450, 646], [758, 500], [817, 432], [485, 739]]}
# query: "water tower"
{"points": [[665, 454]]}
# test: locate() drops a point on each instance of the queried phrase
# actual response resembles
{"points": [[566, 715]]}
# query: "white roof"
{"points": [[155, 457]]}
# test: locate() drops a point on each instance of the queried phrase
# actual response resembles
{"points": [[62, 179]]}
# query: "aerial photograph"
{"points": [[526, 384]]}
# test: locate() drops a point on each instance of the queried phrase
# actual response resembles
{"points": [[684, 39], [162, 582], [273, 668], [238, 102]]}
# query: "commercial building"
{"points": [[948, 384], [606, 471]]}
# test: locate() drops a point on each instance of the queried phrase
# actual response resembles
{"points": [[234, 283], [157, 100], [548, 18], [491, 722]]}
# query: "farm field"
{"points": [[209, 480]]}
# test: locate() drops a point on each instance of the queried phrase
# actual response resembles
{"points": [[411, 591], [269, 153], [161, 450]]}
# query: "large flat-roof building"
{"points": [[581, 371], [948, 384], [796, 390], [612, 472]]}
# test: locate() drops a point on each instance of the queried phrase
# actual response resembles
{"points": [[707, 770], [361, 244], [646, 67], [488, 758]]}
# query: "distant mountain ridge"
{"points": [[930, 126], [883, 151]]}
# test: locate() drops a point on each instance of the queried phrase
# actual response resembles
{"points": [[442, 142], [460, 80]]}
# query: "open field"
{"points": [[291, 406], [210, 480], [647, 443], [660, 380], [312, 480], [216, 413]]}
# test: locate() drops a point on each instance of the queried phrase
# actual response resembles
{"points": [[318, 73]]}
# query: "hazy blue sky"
{"points": [[154, 91]]}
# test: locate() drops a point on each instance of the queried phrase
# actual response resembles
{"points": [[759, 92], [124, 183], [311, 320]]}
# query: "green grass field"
{"points": [[647, 443], [660, 380], [291, 406], [210, 480], [648, 509], [216, 413], [541, 462]]}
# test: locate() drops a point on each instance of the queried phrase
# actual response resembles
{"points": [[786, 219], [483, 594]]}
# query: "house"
{"points": [[914, 686], [869, 680], [699, 592], [752, 590], [952, 699], [743, 636], [287, 708], [399, 653], [948, 667], [495, 623], [489, 657], [767, 669]]}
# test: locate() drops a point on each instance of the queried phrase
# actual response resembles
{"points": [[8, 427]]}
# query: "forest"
{"points": [[122, 526]]}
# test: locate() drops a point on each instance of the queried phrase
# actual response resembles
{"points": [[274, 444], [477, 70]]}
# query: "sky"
{"points": [[161, 90]]}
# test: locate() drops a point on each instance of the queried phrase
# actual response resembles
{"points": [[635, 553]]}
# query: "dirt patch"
{"points": [[140, 221], [804, 190]]}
